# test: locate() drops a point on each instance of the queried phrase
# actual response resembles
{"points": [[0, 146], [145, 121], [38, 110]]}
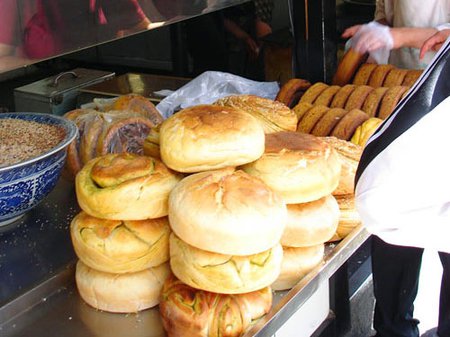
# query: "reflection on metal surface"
{"points": [[32, 31]]}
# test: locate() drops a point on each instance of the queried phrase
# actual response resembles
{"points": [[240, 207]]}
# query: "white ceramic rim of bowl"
{"points": [[71, 133]]}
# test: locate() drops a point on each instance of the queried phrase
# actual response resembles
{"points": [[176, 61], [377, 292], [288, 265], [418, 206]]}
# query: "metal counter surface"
{"points": [[39, 296]]}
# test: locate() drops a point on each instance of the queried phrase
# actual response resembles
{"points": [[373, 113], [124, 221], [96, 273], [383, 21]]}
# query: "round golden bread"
{"points": [[224, 274], [350, 154], [328, 121], [373, 100], [390, 100], [363, 74], [207, 137], [313, 92], [291, 91], [297, 263], [348, 124], [123, 293], [298, 166], [189, 312], [125, 186], [227, 212], [395, 77], [349, 218], [311, 117], [379, 74], [116, 246], [348, 66], [311, 223], [327, 95], [301, 108], [357, 97], [273, 115], [342, 95], [411, 77]]}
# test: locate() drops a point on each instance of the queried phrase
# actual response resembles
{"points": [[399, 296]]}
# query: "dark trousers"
{"points": [[395, 271]]}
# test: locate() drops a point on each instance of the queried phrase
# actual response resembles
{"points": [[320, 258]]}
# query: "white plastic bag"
{"points": [[212, 85], [375, 39]]}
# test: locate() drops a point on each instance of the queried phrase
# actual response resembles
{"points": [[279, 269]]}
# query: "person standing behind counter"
{"points": [[399, 29], [396, 159]]}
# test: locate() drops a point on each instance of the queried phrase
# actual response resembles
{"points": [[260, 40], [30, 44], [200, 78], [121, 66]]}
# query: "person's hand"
{"points": [[434, 42], [349, 32], [262, 28], [371, 37]]}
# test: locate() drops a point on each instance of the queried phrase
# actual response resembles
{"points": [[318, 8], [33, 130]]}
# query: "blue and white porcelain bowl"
{"points": [[25, 184]]}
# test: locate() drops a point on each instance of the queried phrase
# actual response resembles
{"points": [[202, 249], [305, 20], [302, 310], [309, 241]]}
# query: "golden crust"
{"points": [[313, 92], [349, 218], [190, 312], [395, 77], [342, 95], [373, 100], [411, 77], [221, 273], [390, 100], [327, 95], [311, 117], [348, 66], [379, 74], [289, 92], [357, 97], [328, 121], [298, 166], [363, 74], [348, 124], [273, 115], [301, 108]]}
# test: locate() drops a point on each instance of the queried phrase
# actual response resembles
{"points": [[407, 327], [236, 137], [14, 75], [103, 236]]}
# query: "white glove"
{"points": [[375, 39]]}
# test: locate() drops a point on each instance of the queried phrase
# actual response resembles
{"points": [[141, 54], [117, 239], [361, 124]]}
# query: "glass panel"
{"points": [[31, 31]]}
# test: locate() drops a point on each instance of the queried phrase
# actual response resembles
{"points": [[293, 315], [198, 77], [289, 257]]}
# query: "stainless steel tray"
{"points": [[54, 308]]}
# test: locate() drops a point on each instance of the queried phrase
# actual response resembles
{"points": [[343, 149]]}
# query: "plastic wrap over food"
{"points": [[212, 85], [113, 131]]}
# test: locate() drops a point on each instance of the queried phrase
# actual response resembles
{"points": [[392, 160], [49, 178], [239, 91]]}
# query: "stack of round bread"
{"points": [[305, 171], [226, 225], [121, 236]]}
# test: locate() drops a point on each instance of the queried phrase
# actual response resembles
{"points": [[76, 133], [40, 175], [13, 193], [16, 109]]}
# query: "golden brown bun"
{"points": [[328, 121], [341, 97], [347, 67], [190, 312], [349, 218], [390, 100], [227, 212], [350, 155], [273, 115], [115, 246], [357, 97], [301, 108], [297, 263], [207, 137], [348, 124], [313, 92], [130, 292], [298, 166], [311, 223], [362, 76], [224, 274], [395, 77], [327, 95], [411, 77], [125, 187], [379, 74], [373, 100], [311, 117], [291, 91]]}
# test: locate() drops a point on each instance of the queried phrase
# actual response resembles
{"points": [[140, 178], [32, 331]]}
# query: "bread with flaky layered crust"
{"points": [[122, 293], [311, 223], [298, 166], [227, 212], [350, 154], [125, 186], [221, 273], [349, 217], [115, 246], [189, 312], [207, 137], [297, 263], [273, 115]]}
